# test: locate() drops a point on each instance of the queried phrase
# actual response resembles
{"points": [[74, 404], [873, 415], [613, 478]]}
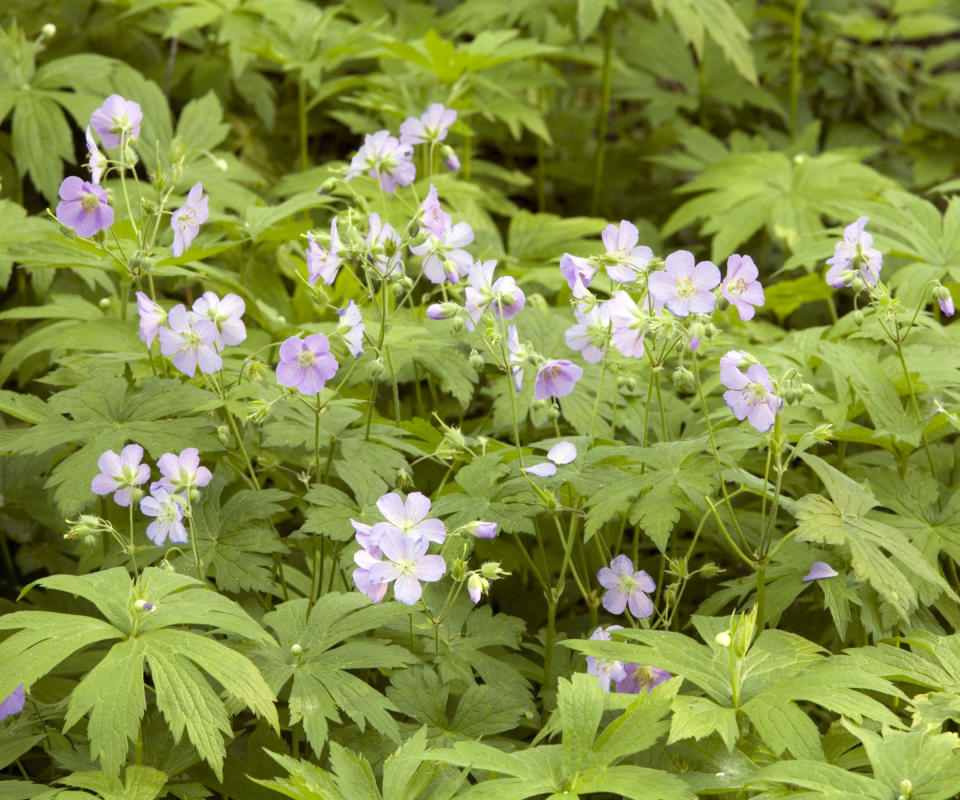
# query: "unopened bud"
{"points": [[221, 165], [940, 292], [449, 158], [327, 186], [457, 324], [682, 379], [167, 566], [143, 605], [404, 479], [104, 303], [476, 360], [376, 368], [858, 317], [48, 31], [135, 495], [722, 638], [458, 570], [257, 411], [553, 413], [857, 284], [295, 650], [476, 586], [89, 541], [223, 434], [710, 569]]}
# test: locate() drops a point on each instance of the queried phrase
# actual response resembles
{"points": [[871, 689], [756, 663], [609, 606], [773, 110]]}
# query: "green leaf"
{"points": [[41, 142], [589, 14], [698, 717], [580, 704]]}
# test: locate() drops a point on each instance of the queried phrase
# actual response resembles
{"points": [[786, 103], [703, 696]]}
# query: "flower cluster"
{"points": [[627, 678], [195, 337], [181, 476]]}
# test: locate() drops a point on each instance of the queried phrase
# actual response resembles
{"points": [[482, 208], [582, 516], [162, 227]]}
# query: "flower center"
{"points": [[193, 341], [758, 393], [305, 358], [685, 288], [128, 476], [120, 124], [739, 286], [90, 202]]}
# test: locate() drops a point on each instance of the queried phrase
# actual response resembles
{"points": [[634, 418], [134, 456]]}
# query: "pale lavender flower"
{"points": [[591, 334], [408, 518], [383, 242], [818, 571], [115, 119], [731, 374], [306, 363], [574, 267], [444, 258], [226, 314], [384, 157], [624, 261], [556, 377], [502, 296], [183, 472], [324, 264], [191, 340], [855, 254], [684, 287], [626, 587], [605, 669], [434, 218], [482, 530], [751, 396], [641, 677], [84, 207], [366, 538], [561, 453], [168, 510], [408, 564], [442, 310], [13, 704], [451, 161], [431, 127], [945, 302], [365, 560], [516, 356], [476, 584], [96, 161], [351, 328], [741, 287], [152, 318], [120, 474], [628, 324], [187, 219]]}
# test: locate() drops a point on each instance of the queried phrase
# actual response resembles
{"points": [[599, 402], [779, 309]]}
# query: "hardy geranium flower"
{"points": [[384, 245], [168, 510], [561, 453], [115, 119], [306, 363], [605, 669], [226, 314], [626, 587], [432, 127], [640, 677], [855, 254], [476, 586], [444, 258], [751, 396], [574, 267], [191, 340], [365, 560], [96, 161], [740, 286], [624, 261], [556, 377], [684, 287], [628, 324], [408, 518], [351, 328], [516, 356], [502, 296], [13, 704], [152, 317], [121, 474], [183, 472], [324, 264], [591, 334], [482, 530], [947, 307], [819, 571], [406, 566], [84, 207], [384, 157], [187, 219]]}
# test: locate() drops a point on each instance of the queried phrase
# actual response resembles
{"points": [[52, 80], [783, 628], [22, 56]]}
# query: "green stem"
{"points": [[316, 435], [795, 74], [761, 573], [603, 112], [913, 401], [596, 404], [195, 546], [133, 545]]}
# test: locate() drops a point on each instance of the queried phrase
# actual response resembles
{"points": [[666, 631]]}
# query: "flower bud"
{"points": [[683, 379], [404, 479], [476, 360], [857, 284], [223, 434], [89, 541], [296, 650], [482, 530], [858, 317], [221, 165], [457, 324], [710, 569], [722, 638], [375, 368], [48, 31], [476, 587], [104, 303], [553, 413], [143, 605], [940, 292], [167, 566], [327, 186], [491, 570], [458, 570], [257, 411], [130, 158], [136, 495], [450, 158]]}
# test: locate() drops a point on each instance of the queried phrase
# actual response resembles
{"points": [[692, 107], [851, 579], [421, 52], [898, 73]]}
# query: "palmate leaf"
{"points": [[140, 783], [112, 693], [328, 636]]}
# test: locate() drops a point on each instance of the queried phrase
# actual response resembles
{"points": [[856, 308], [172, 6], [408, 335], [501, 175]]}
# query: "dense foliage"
{"points": [[427, 400]]}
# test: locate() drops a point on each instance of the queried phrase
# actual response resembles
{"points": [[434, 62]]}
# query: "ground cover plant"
{"points": [[479, 400]]}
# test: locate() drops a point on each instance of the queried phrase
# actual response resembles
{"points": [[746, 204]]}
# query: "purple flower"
{"points": [[225, 314], [115, 119], [628, 324], [855, 254], [383, 156], [476, 585], [408, 519], [96, 161], [624, 261], [442, 310], [191, 340], [450, 160], [556, 377], [84, 207], [640, 677], [482, 530], [431, 127], [444, 256], [516, 356], [351, 328], [605, 669], [366, 538], [591, 334], [684, 288], [384, 245], [13, 704], [435, 219], [945, 301], [408, 564], [187, 219], [819, 571], [626, 587], [183, 472], [120, 474], [306, 363], [168, 510], [730, 368], [502, 296], [152, 317], [751, 396], [574, 267], [560, 453], [324, 264], [364, 560], [741, 287]]}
